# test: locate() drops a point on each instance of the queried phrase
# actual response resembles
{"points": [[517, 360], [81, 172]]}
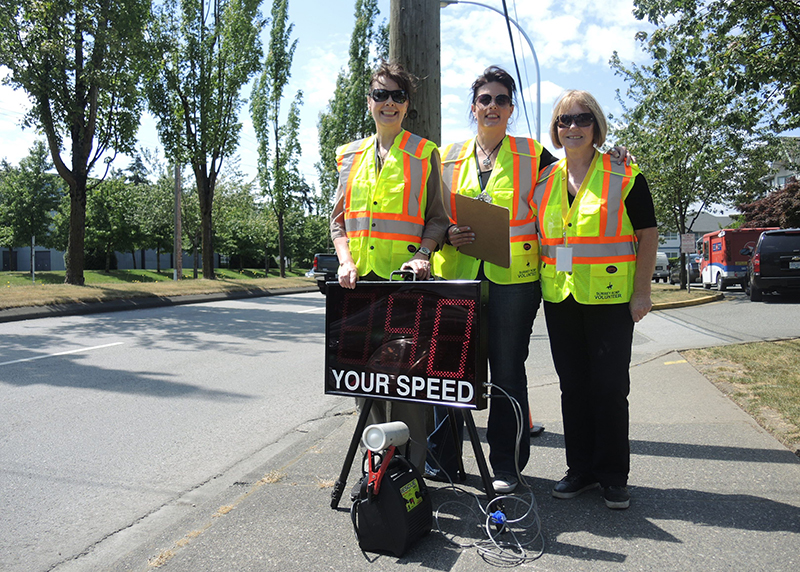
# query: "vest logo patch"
{"points": [[527, 246], [611, 269], [411, 248]]}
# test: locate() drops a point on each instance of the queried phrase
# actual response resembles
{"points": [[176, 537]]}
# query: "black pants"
{"points": [[512, 310], [591, 347]]}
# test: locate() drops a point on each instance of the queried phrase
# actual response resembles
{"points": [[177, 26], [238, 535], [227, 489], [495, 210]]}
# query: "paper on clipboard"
{"points": [[490, 224]]}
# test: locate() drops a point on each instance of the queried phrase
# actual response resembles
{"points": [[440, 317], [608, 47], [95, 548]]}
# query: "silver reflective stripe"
{"points": [[614, 203], [449, 164], [541, 186], [592, 250], [527, 176], [357, 224], [528, 229], [348, 160], [524, 146], [411, 144], [414, 180]]}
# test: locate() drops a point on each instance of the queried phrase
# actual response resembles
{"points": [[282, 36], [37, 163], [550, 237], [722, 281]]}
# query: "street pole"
{"points": [[177, 272], [445, 3], [414, 42]]}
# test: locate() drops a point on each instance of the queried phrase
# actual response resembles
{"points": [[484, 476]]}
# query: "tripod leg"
{"points": [[338, 488], [479, 457], [457, 441]]}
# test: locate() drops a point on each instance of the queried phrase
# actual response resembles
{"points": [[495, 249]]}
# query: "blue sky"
{"points": [[573, 39]]}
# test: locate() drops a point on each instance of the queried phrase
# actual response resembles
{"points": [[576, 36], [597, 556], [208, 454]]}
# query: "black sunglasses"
{"points": [[580, 119], [501, 100], [381, 95]]}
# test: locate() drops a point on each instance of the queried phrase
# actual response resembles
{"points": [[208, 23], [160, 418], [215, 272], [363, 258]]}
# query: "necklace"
{"points": [[487, 161]]}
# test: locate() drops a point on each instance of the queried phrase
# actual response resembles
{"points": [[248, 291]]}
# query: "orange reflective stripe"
{"points": [[515, 156], [412, 238]]}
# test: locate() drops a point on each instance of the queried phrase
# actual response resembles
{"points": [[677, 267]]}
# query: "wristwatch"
{"points": [[424, 250]]}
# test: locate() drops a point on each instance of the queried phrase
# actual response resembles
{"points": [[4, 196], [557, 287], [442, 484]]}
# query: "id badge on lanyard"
{"points": [[564, 259]]}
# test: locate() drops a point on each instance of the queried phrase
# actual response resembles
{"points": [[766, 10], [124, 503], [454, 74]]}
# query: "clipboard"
{"points": [[491, 227]]}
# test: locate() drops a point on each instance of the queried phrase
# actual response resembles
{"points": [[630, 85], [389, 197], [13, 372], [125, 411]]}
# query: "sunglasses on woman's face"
{"points": [[381, 95], [580, 119], [501, 100]]}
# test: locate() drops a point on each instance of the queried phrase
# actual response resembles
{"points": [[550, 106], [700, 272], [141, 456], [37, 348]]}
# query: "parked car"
{"points": [[675, 272], [774, 264], [661, 271], [324, 269]]}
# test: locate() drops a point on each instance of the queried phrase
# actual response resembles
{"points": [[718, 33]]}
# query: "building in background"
{"points": [[671, 241]]}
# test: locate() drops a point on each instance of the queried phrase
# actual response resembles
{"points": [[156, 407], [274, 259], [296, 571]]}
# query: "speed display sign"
{"points": [[409, 341]]}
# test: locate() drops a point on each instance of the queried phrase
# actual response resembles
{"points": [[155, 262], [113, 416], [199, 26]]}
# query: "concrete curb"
{"points": [[694, 302], [79, 309]]}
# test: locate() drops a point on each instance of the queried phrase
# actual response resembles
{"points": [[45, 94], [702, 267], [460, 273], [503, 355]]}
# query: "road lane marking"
{"points": [[311, 310], [62, 353], [674, 362]]}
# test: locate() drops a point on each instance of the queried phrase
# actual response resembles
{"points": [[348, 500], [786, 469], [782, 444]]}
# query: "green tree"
{"points": [[699, 142], [79, 62], [278, 144], [755, 41], [347, 117], [111, 222], [240, 231], [154, 211], [29, 195], [211, 49]]}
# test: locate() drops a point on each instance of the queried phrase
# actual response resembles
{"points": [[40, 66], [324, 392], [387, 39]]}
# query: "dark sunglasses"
{"points": [[381, 95], [580, 119], [501, 100]]}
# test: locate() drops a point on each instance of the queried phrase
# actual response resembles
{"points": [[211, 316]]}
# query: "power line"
{"points": [[516, 66]]}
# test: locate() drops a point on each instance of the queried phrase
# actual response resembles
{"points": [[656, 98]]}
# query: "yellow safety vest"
{"points": [[384, 212], [597, 229], [510, 185]]}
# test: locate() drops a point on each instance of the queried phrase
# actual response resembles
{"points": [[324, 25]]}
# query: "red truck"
{"points": [[721, 261]]}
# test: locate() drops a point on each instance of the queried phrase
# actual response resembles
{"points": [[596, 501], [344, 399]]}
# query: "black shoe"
{"points": [[572, 485], [617, 497]]}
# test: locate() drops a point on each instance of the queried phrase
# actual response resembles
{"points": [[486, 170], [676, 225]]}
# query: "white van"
{"points": [[662, 267]]}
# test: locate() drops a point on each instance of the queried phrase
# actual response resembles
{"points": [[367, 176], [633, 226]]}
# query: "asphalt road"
{"points": [[107, 419]]}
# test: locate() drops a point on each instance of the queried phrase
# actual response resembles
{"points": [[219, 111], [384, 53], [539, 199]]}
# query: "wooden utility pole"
{"points": [[414, 42]]}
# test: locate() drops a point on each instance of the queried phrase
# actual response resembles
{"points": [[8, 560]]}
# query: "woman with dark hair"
{"points": [[598, 234], [388, 212], [503, 170]]}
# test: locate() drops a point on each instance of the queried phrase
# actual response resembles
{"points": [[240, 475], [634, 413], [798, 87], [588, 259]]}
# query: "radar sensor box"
{"points": [[398, 515]]}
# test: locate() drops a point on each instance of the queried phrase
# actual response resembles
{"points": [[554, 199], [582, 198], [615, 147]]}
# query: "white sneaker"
{"points": [[504, 484]]}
